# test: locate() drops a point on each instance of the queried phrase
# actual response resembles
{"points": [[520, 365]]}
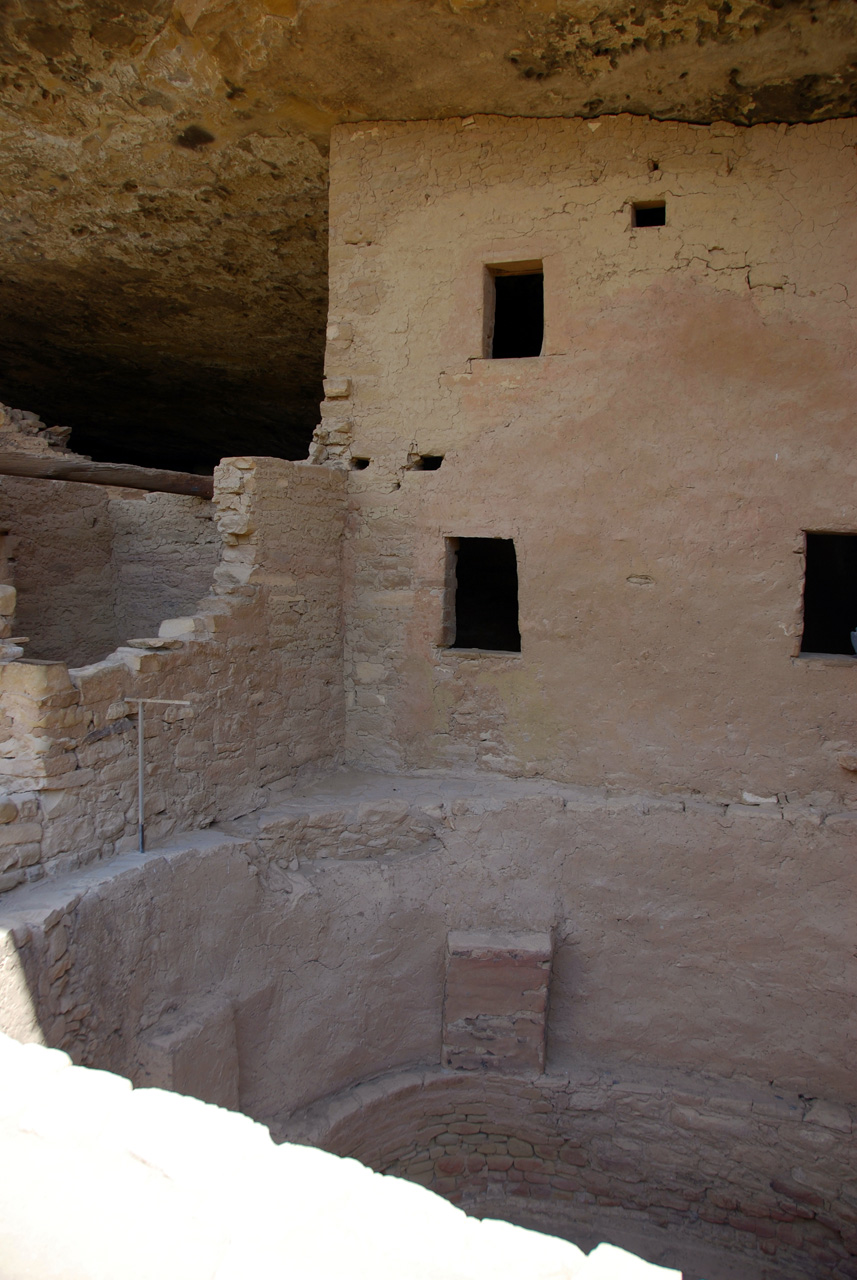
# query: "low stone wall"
{"points": [[259, 662], [94, 566], [59, 558], [711, 1177]]}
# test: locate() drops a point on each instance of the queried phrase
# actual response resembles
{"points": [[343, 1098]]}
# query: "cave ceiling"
{"points": [[163, 281]]}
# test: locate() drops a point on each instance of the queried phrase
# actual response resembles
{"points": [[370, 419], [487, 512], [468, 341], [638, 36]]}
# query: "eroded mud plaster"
{"points": [[689, 417]]}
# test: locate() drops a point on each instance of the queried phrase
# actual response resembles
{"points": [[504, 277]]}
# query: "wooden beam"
{"points": [[115, 473]]}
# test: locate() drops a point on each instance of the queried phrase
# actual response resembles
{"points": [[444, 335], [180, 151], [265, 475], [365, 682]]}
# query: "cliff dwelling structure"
{"points": [[499, 747]]}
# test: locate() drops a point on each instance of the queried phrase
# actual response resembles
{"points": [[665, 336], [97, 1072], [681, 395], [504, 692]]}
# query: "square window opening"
{"points": [[830, 593], [517, 327], [484, 580], [652, 213], [359, 464]]}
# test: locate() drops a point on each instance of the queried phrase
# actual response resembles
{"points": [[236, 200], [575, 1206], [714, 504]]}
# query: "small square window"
{"points": [[651, 213], [517, 299], [484, 580], [830, 593]]}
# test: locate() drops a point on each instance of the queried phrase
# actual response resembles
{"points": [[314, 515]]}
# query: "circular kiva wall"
{"points": [[690, 1174]]}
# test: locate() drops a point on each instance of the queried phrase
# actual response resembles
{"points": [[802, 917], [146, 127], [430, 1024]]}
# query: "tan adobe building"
{"points": [[500, 802]]}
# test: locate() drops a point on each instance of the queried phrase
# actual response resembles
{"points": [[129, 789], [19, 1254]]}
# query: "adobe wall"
{"points": [[680, 823], [166, 547], [259, 661], [690, 416], [95, 566]]}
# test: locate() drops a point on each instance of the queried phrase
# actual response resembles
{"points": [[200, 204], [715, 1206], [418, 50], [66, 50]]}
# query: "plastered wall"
{"points": [[165, 550], [58, 540], [94, 566], [690, 416], [680, 821]]}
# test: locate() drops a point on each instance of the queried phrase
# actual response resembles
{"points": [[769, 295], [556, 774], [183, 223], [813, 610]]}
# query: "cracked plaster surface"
{"points": [[656, 465]]}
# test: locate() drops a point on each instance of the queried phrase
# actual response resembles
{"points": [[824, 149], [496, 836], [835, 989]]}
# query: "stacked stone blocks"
{"points": [[596, 1156], [258, 662], [495, 1000]]}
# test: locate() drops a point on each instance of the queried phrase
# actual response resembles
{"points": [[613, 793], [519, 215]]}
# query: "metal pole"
{"points": [[141, 765], [140, 775]]}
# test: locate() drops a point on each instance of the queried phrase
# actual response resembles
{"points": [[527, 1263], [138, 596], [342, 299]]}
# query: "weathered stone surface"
{"points": [[70, 735], [37, 679], [193, 1051], [334, 969], [94, 566], [617, 1168], [495, 1000], [653, 778], [163, 257]]}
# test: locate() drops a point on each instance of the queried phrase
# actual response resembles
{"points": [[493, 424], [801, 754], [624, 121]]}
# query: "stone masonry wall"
{"points": [[94, 566], [59, 557], [703, 1175], [690, 416], [259, 662], [695, 1056], [687, 939], [165, 549]]}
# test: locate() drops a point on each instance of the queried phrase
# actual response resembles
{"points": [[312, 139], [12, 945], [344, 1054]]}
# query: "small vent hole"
{"points": [[359, 464]]}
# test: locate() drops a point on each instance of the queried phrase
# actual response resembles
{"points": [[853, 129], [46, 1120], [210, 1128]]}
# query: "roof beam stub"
{"points": [[113, 473]]}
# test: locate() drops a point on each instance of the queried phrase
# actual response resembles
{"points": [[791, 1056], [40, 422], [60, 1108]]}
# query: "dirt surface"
{"points": [[163, 256]]}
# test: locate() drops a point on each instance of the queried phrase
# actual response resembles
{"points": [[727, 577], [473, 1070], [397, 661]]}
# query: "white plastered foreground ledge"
{"points": [[98, 1180]]}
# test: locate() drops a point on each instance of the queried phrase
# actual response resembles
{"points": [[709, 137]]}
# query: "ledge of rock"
{"points": [[163, 282]]}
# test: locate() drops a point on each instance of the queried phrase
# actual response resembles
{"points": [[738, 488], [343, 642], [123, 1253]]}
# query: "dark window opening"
{"points": [[653, 214], [830, 593], [486, 595], [359, 464], [519, 314], [428, 462]]}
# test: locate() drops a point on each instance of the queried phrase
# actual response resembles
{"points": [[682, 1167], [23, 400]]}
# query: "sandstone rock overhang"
{"points": [[163, 261]]}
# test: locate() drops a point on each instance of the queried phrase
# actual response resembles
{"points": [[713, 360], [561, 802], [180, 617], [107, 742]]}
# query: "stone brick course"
{"points": [[219, 1198], [495, 1002], [259, 662], [659, 1201]]}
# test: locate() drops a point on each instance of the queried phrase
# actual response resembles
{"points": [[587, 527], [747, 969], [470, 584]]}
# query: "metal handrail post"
{"points": [[141, 764]]}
